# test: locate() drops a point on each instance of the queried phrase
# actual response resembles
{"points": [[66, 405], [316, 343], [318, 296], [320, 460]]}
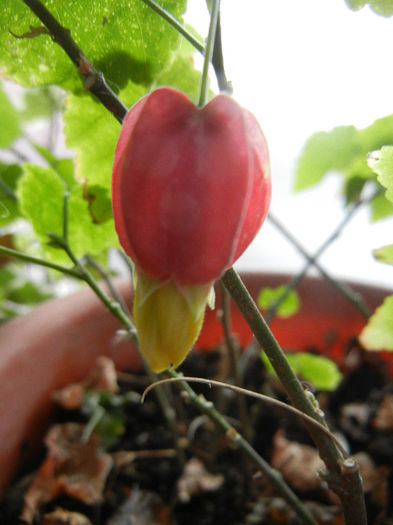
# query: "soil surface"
{"points": [[109, 459]]}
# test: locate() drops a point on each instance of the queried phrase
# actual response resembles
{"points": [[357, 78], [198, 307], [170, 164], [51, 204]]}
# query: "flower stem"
{"points": [[204, 85]]}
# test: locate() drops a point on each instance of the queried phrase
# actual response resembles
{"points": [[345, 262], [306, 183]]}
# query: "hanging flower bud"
{"points": [[191, 188]]}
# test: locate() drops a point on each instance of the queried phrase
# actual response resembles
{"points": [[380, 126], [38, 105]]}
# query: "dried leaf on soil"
{"points": [[71, 467], [101, 377]]}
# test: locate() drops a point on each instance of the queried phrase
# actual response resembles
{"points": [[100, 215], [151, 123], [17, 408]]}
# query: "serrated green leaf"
{"points": [[9, 121], [343, 149], [41, 197], [378, 333], [124, 39], [384, 254], [320, 371], [41, 194], [326, 151], [381, 162], [269, 296]]}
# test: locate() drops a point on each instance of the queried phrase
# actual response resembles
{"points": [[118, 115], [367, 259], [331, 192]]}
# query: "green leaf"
{"points": [[382, 7], [381, 162], [378, 333], [381, 208], [269, 296], [9, 121], [9, 176], [125, 40], [28, 293], [41, 194], [318, 370], [326, 151], [343, 149], [384, 254], [41, 102]]}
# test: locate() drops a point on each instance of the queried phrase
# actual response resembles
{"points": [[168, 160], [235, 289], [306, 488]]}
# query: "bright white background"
{"points": [[304, 66]]}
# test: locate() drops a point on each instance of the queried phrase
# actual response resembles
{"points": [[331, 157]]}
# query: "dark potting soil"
{"points": [[147, 477]]}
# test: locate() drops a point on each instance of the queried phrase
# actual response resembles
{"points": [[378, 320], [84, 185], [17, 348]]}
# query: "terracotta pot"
{"points": [[58, 342]]}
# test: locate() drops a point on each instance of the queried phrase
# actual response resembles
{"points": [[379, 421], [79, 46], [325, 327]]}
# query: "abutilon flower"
{"points": [[190, 190]]}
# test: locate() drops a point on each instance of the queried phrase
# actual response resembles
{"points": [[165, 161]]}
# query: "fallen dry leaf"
{"points": [[64, 517], [71, 467], [141, 508], [383, 419], [196, 479], [299, 464], [101, 377]]}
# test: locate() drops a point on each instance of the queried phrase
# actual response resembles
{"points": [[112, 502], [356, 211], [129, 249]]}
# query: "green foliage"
{"points": [[9, 176], [378, 333], [344, 149], [17, 291], [107, 415], [385, 254], [381, 162], [317, 370], [125, 40], [10, 128], [382, 7], [268, 297], [41, 195]]}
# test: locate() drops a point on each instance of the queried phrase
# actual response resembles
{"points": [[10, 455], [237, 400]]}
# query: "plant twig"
{"points": [[93, 80], [204, 85], [233, 353], [312, 260], [174, 22], [72, 272], [297, 395]]}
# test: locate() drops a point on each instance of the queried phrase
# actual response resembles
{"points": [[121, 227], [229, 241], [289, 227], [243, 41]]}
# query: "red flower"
{"points": [[191, 186]]}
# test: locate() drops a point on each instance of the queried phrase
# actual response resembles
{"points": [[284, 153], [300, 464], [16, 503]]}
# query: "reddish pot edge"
{"points": [[58, 342]]}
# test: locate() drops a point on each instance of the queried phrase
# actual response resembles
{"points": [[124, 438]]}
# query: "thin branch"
{"points": [[312, 260], [174, 22], [203, 88], [93, 80], [233, 352], [218, 62], [250, 393], [72, 272]]}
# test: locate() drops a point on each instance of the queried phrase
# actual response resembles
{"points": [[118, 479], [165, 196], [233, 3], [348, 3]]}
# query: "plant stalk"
{"points": [[204, 85], [349, 495]]}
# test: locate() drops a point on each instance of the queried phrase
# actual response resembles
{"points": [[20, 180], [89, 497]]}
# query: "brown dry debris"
{"points": [[64, 517], [196, 479], [71, 467], [383, 420], [102, 377], [299, 464]]}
